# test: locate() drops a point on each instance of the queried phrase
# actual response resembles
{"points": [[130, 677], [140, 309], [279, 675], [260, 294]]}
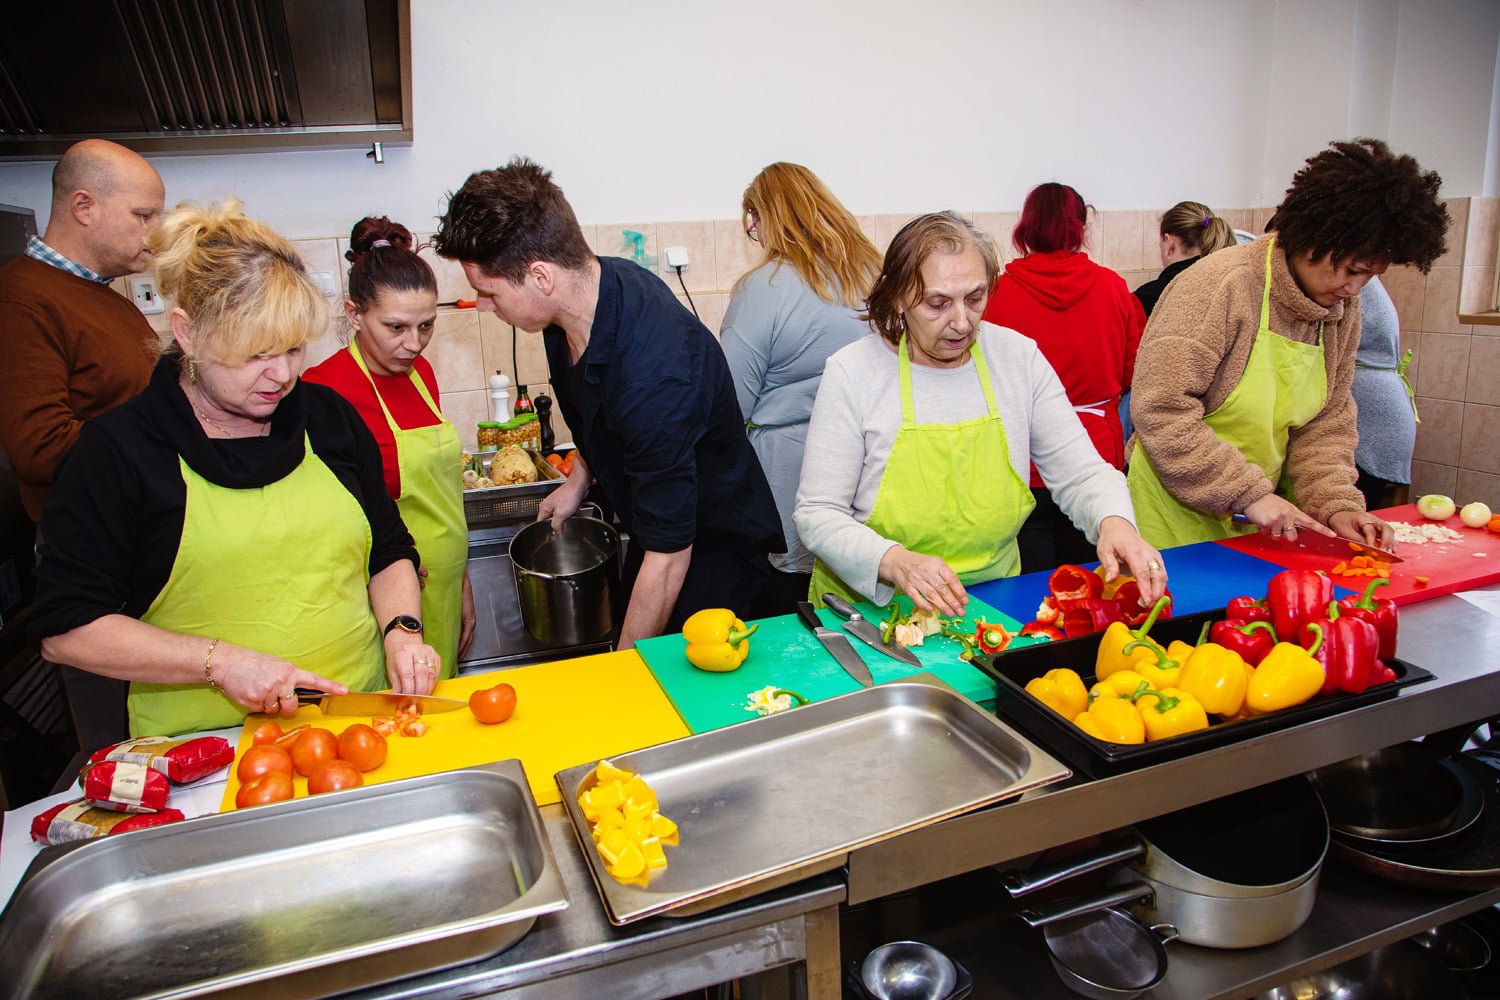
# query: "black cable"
{"points": [[678, 269]]}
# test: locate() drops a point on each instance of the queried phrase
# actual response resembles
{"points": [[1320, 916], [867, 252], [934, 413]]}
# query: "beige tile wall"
{"points": [[1455, 369]]}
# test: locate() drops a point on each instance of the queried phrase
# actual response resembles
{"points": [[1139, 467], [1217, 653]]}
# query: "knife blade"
{"points": [[856, 625], [836, 643], [375, 703], [1317, 543]]}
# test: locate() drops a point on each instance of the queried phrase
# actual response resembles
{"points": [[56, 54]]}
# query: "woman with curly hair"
{"points": [[1241, 399]]}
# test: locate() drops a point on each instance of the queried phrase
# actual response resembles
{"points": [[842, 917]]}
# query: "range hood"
{"points": [[200, 76]]}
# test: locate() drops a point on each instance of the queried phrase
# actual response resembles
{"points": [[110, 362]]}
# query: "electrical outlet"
{"points": [[143, 293], [676, 257], [324, 281]]}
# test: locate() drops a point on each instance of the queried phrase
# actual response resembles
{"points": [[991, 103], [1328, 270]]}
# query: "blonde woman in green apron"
{"points": [[914, 475], [1241, 398], [391, 311], [225, 537]]}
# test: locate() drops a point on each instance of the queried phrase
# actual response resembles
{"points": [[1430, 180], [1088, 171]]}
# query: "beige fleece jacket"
{"points": [[1192, 355]]}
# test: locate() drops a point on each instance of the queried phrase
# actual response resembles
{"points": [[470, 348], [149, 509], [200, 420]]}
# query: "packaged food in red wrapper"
{"points": [[125, 786], [181, 759], [78, 820]]}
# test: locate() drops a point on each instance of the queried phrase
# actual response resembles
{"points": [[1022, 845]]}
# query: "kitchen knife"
{"points": [[836, 643], [856, 625], [1317, 543], [375, 703]]}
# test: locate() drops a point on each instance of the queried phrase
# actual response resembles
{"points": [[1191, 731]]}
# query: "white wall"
{"points": [[664, 109]]}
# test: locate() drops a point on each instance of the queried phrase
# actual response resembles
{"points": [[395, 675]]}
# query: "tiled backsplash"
{"points": [[1455, 368]]}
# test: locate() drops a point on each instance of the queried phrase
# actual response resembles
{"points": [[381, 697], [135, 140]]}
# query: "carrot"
{"points": [[1341, 569], [555, 461], [1422, 581]]}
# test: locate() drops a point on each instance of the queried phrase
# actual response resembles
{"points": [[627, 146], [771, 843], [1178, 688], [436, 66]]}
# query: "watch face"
{"points": [[407, 623]]}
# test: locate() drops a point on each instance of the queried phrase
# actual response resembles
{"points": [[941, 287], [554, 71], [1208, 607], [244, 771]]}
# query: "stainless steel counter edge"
{"points": [[1448, 636], [578, 953]]}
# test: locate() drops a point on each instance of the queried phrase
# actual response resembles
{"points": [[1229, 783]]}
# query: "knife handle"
{"points": [[808, 616], [841, 607]]}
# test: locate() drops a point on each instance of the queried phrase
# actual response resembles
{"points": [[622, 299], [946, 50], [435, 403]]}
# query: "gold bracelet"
{"points": [[208, 666]]}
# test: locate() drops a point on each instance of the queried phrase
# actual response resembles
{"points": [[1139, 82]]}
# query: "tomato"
{"points": [[362, 746], [270, 786], [493, 705], [332, 776], [288, 738], [313, 748], [258, 760], [269, 732]]}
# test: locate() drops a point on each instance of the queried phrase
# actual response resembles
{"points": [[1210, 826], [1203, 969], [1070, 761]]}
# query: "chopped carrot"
{"points": [[1422, 581], [1359, 561], [1341, 568]]}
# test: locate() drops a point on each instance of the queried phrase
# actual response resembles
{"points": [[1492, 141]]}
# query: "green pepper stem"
{"points": [[737, 637], [1203, 633], [1161, 602], [1164, 702], [1318, 642], [1367, 599], [1162, 662], [799, 699]]}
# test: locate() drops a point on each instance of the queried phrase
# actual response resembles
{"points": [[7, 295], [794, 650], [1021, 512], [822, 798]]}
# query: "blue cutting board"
{"points": [[784, 654], [1202, 577]]}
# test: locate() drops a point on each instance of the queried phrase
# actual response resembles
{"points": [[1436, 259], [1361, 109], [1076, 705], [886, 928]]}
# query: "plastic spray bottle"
{"points": [[634, 247]]}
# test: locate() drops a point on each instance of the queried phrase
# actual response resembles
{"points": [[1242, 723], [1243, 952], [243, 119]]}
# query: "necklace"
{"points": [[262, 432]]}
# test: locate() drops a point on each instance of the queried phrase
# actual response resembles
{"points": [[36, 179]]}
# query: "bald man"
{"points": [[73, 347]]}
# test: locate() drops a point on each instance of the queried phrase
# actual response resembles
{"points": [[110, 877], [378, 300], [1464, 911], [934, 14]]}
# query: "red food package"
{"points": [[182, 760], [80, 821], [126, 787]]}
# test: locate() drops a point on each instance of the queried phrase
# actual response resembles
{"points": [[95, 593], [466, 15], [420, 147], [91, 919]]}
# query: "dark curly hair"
{"points": [[391, 266], [1360, 200], [504, 219]]}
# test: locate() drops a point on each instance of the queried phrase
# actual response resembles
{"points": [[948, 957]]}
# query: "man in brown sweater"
{"points": [[74, 347]]}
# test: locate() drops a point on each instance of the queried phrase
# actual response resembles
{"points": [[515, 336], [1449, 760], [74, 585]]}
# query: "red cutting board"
{"points": [[568, 712], [1471, 561]]}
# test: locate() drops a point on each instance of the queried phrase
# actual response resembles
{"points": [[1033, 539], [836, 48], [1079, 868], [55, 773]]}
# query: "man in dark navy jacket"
{"points": [[644, 388]]}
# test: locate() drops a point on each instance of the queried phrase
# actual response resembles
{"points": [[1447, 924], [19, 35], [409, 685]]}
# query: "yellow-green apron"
{"points": [[432, 505], [1284, 386], [948, 490], [283, 569]]}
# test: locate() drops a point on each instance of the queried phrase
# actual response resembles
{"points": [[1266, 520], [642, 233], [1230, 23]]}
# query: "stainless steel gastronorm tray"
{"points": [[772, 800], [299, 899]]}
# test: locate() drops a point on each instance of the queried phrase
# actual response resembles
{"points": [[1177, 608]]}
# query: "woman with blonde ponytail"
{"points": [[1189, 231], [225, 537]]}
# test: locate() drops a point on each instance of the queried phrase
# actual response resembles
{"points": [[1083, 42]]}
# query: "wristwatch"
{"points": [[406, 623]]}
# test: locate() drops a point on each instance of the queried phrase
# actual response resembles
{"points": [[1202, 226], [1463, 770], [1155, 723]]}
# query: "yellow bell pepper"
{"points": [[1114, 720], [1120, 684], [1061, 690], [1164, 669], [1112, 656], [717, 640], [1170, 712], [1288, 676], [1217, 677]]}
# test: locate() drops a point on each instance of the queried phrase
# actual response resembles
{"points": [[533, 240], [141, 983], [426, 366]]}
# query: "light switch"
{"points": [[325, 282], [143, 293]]}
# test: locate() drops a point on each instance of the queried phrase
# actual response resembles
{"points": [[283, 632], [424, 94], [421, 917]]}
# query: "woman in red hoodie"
{"points": [[1087, 324]]}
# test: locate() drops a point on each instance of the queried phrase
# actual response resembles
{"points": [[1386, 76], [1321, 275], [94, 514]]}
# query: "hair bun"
{"points": [[373, 231]]}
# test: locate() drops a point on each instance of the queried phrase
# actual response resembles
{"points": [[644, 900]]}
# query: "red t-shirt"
{"points": [[341, 373]]}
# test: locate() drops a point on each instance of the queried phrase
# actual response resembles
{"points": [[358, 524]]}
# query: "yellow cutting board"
{"points": [[568, 712]]}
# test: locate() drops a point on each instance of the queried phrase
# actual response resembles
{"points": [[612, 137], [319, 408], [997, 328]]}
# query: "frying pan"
{"points": [[1401, 793]]}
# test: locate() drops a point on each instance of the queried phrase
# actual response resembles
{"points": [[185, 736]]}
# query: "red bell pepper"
{"points": [[1296, 597], [1247, 609], [1251, 640], [1074, 583], [1129, 597], [1345, 647], [1089, 616], [1043, 629], [1378, 611], [1048, 611]]}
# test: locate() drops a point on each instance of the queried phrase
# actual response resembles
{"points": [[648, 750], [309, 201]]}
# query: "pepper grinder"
{"points": [[544, 417], [500, 396]]}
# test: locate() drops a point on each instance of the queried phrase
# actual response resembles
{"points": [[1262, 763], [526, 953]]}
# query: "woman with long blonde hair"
{"points": [[798, 305]]}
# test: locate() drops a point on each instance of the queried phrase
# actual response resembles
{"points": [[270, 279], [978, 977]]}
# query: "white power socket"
{"points": [[675, 257], [143, 293]]}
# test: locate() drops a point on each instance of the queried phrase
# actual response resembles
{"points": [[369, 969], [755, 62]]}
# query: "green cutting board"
{"points": [[784, 654]]}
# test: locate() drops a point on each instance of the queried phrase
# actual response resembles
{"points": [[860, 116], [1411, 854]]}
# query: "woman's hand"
{"points": [[1280, 518], [927, 580], [1363, 524], [1120, 543], [262, 682], [410, 663], [467, 619]]}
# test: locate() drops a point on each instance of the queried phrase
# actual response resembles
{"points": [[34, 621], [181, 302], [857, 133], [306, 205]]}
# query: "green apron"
{"points": [[1284, 386], [948, 490], [283, 569], [432, 505]]}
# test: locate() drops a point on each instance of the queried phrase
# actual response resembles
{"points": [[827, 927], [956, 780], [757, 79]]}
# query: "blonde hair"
{"points": [[241, 284], [802, 224], [1196, 225]]}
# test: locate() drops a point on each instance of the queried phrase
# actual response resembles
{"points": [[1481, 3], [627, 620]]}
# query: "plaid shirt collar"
{"points": [[37, 250]]}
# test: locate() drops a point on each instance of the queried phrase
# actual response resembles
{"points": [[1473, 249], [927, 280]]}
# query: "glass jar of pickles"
{"points": [[525, 431], [488, 435]]}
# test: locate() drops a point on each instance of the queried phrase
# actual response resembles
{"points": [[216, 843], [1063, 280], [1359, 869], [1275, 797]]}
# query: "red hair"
{"points": [[1053, 218]]}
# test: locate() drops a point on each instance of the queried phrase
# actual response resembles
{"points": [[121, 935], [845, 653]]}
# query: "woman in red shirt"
{"points": [[392, 308], [1087, 324]]}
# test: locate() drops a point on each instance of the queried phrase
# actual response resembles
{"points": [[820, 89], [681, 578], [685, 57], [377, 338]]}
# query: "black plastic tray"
{"points": [[1097, 758]]}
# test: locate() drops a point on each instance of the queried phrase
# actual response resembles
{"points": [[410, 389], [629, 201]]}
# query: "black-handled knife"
{"points": [[865, 631], [836, 643]]}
